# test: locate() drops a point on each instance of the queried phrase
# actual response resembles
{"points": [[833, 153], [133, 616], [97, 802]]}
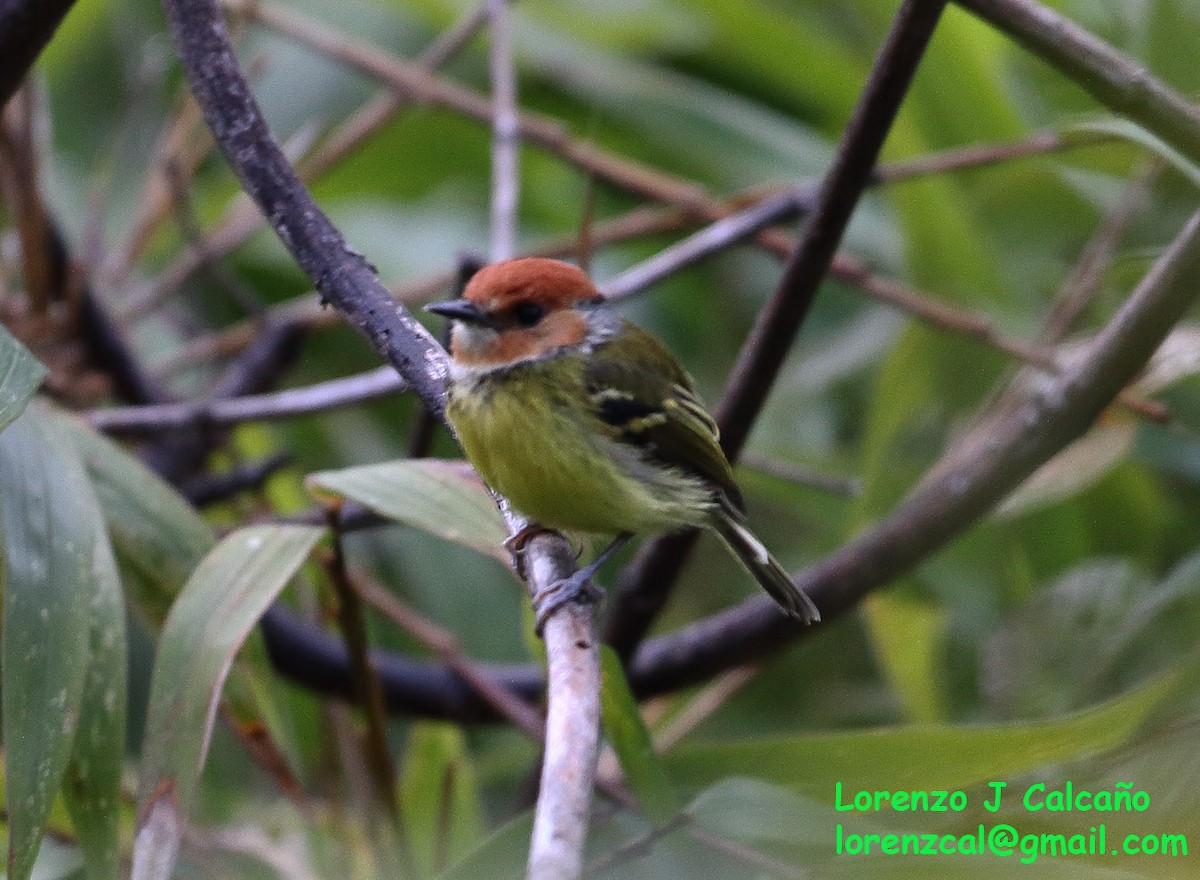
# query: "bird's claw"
{"points": [[516, 544], [576, 588]]}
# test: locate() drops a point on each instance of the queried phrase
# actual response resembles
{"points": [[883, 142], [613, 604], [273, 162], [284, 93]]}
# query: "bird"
{"points": [[587, 423]]}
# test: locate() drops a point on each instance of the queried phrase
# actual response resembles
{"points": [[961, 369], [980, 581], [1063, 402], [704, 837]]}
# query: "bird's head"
{"points": [[521, 310]]}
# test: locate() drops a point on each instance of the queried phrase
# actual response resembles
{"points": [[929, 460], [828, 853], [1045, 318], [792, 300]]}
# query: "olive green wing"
{"points": [[640, 392]]}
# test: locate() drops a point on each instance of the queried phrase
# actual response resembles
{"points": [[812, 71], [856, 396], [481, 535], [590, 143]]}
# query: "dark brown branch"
{"points": [[26, 26], [367, 690], [764, 351]]}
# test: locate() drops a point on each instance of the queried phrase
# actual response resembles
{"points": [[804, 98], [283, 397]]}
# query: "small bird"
{"points": [[587, 423]]}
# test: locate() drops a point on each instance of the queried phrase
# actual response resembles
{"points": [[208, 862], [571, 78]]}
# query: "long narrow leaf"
{"points": [[49, 537], [628, 735], [155, 532], [220, 603], [443, 498], [93, 784]]}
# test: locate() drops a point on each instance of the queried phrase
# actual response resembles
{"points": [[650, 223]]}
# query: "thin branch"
{"points": [[1084, 282], [716, 236], [510, 706], [421, 85], [572, 720], [381, 110], [1119, 82], [367, 690], [505, 178], [341, 275], [320, 397], [26, 26], [650, 221], [764, 351]]}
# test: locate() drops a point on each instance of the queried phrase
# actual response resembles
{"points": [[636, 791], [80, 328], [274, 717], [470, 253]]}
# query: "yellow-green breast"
{"points": [[532, 436]]}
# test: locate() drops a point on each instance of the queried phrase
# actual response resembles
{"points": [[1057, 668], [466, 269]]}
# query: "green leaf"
{"points": [[623, 725], [906, 634], [154, 531], [20, 375], [440, 796], [93, 783], [219, 605], [443, 498], [49, 544], [940, 756], [755, 812], [501, 856]]}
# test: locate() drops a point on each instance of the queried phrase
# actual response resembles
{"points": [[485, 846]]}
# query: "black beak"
{"points": [[461, 310]]}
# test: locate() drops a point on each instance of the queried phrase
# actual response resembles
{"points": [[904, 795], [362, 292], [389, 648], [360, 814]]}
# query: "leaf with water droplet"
{"points": [[49, 534]]}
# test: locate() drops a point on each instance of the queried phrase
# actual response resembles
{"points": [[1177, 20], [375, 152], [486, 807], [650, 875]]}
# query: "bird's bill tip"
{"points": [[460, 310]]}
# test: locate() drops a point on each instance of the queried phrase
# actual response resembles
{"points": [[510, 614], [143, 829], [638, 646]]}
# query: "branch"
{"points": [[1117, 81], [572, 721], [26, 26], [505, 179], [764, 351], [322, 396], [341, 275]]}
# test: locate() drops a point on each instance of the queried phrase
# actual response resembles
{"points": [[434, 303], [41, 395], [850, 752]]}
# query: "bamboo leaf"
{"points": [[49, 580], [623, 725], [443, 498], [214, 614], [93, 784], [154, 531]]}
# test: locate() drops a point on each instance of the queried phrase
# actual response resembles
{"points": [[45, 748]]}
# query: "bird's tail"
{"points": [[769, 573]]}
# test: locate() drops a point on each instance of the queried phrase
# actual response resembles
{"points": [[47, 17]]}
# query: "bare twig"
{"points": [[243, 218], [367, 691], [505, 179], [1083, 283], [572, 720], [764, 350], [421, 85], [522, 714], [371, 385], [648, 221]]}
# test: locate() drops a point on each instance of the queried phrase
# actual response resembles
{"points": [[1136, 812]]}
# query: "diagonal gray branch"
{"points": [[342, 276]]}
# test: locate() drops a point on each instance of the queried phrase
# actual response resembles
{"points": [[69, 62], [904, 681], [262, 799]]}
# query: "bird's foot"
{"points": [[516, 544], [576, 588]]}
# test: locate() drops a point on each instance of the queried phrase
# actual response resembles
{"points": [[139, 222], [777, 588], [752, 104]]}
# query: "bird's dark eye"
{"points": [[527, 314]]}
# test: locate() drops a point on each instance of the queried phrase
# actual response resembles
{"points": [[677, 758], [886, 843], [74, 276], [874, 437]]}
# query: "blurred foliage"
{"points": [[1055, 641]]}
